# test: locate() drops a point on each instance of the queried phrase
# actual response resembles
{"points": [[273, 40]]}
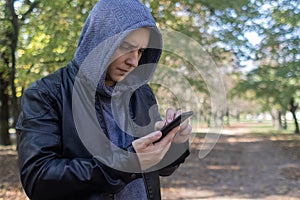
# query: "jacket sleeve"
{"points": [[44, 172]]}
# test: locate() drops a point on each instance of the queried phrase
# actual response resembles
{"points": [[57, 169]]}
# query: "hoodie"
{"points": [[105, 28], [107, 25]]}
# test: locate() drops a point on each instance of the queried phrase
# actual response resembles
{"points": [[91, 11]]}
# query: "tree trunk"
{"points": [[279, 120], [4, 114], [293, 108], [276, 117], [297, 131], [13, 47], [273, 118], [284, 121], [238, 116], [227, 117]]}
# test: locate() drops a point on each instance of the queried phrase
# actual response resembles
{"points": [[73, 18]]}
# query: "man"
{"points": [[89, 130]]}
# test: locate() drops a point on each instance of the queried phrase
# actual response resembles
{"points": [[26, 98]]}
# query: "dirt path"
{"points": [[240, 166]]}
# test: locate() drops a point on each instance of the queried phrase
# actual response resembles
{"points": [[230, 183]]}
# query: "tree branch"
{"points": [[30, 9], [54, 62]]}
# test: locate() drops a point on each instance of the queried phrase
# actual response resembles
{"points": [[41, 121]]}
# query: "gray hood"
{"points": [[107, 25]]}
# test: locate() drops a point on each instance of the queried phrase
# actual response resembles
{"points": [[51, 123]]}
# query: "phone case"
{"points": [[176, 122]]}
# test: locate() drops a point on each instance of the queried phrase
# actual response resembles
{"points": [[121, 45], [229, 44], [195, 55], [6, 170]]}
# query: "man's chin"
{"points": [[120, 78]]}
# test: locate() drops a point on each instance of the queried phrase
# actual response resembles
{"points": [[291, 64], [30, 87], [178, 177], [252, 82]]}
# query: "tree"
{"points": [[49, 38], [194, 19], [293, 108], [29, 27], [11, 21], [275, 80], [49, 30]]}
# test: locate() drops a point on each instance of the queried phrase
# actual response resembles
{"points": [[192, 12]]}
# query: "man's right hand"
{"points": [[150, 153]]}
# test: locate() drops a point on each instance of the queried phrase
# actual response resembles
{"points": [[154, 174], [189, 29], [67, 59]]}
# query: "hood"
{"points": [[107, 25]]}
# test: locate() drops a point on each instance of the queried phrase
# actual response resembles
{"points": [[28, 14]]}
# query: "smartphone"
{"points": [[176, 122]]}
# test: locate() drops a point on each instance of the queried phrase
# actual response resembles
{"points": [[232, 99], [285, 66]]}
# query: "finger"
{"points": [[170, 114], [169, 137], [186, 131], [152, 137], [178, 112], [160, 124], [184, 124], [147, 140], [183, 135]]}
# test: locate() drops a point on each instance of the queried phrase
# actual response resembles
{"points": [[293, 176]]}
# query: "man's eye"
{"points": [[141, 50]]}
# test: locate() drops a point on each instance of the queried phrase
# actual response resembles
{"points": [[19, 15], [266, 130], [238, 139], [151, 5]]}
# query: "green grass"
{"points": [[267, 129], [264, 128]]}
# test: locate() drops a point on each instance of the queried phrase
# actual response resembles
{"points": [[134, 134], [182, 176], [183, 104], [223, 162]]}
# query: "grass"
{"points": [[267, 129], [263, 129]]}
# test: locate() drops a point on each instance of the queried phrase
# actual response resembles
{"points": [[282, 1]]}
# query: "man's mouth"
{"points": [[123, 71]]}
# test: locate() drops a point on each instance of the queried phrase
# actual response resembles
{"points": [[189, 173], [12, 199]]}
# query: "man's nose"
{"points": [[133, 58]]}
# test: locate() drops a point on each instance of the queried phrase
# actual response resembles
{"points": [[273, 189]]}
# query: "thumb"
{"points": [[152, 137], [160, 124]]}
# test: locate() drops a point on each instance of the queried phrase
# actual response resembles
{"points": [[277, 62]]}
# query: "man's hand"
{"points": [[185, 127], [150, 153]]}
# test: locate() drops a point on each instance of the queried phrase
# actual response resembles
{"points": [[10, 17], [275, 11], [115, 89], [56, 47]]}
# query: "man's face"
{"points": [[127, 56]]}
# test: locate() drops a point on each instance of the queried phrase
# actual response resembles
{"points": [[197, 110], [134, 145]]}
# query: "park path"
{"points": [[240, 166]]}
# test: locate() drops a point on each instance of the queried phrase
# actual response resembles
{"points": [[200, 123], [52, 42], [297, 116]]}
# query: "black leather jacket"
{"points": [[54, 164]]}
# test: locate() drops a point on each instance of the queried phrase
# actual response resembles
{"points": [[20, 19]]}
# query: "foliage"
{"points": [[49, 37], [264, 33], [276, 78]]}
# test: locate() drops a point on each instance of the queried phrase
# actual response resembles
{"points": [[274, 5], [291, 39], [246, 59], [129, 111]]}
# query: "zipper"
{"points": [[148, 186]]}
